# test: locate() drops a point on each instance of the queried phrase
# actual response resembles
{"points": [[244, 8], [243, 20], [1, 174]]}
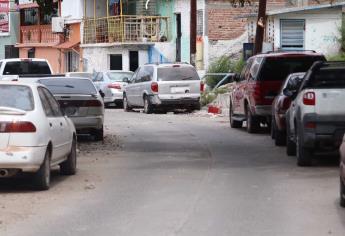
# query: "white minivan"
{"points": [[163, 87]]}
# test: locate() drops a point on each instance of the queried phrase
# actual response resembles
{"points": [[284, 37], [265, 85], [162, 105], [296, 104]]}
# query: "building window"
{"points": [[11, 51], [292, 34], [31, 53], [200, 23]]}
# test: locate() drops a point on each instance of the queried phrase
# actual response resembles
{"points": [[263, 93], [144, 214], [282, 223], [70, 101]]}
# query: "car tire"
{"points": [[273, 128], [234, 123], [148, 108], [342, 193], [119, 104], [304, 155], [253, 125], [99, 134], [290, 145], [42, 176], [126, 106], [69, 167], [280, 138]]}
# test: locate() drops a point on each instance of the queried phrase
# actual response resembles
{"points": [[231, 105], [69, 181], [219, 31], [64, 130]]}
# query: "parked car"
{"points": [[342, 173], [34, 133], [316, 117], [280, 105], [163, 86], [87, 75], [260, 82], [24, 67], [112, 84], [80, 101]]}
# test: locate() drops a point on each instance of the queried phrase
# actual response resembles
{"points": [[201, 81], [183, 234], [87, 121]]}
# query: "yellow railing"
{"points": [[124, 29]]}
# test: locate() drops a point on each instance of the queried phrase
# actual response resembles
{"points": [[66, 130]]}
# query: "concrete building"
{"points": [[9, 35], [38, 40]]}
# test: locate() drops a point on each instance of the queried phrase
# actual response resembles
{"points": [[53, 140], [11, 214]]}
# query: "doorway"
{"points": [[178, 37], [116, 62], [133, 60]]}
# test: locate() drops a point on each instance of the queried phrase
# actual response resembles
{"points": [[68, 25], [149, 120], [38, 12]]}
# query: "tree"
{"points": [[47, 6]]}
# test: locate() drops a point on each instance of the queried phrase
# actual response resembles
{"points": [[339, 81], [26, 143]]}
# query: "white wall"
{"points": [[72, 9], [322, 29], [98, 58]]}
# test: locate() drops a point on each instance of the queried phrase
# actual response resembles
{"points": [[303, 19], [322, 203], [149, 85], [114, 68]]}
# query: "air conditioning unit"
{"points": [[58, 24]]}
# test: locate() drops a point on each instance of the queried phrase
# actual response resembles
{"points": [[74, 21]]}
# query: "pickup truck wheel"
{"points": [[290, 145], [99, 134], [304, 155], [69, 167], [253, 125], [342, 193], [234, 123], [148, 109], [126, 106], [280, 138], [273, 129], [42, 176]]}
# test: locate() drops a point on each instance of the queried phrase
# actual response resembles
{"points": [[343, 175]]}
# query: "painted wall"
{"points": [[322, 29], [13, 38], [72, 9], [98, 58]]}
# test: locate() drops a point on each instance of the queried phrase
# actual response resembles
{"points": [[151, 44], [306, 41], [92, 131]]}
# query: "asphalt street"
{"points": [[179, 174]]}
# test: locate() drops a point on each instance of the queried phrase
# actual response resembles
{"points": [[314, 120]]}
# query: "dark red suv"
{"points": [[260, 82]]}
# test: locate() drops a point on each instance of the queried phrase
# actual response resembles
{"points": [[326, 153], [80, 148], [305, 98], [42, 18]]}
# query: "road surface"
{"points": [[178, 174]]}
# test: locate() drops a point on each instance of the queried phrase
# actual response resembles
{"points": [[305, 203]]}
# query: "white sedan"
{"points": [[34, 133]]}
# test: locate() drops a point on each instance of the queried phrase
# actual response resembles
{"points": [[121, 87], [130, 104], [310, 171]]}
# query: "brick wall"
{"points": [[226, 22]]}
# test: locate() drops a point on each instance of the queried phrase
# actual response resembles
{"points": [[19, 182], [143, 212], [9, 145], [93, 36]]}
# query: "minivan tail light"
{"points": [[114, 86], [17, 127], [154, 87], [309, 99], [202, 87]]}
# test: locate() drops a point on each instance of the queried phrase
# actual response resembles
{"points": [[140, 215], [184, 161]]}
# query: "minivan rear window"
{"points": [[278, 68], [16, 96], [328, 78], [69, 86], [26, 68], [177, 74]]}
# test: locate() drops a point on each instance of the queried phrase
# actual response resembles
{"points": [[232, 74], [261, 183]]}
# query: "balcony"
{"points": [[125, 29], [39, 34]]}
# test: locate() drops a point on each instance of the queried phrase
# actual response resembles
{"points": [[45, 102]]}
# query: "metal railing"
{"points": [[123, 29], [39, 34]]}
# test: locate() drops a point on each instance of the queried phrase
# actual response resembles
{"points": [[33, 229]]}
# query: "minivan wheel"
{"points": [[99, 134], [234, 123], [280, 138], [273, 128], [126, 106], [148, 109], [69, 167], [342, 193], [304, 155], [253, 125], [42, 176]]}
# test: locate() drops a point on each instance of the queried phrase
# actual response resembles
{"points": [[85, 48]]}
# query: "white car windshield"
{"points": [[16, 96]]}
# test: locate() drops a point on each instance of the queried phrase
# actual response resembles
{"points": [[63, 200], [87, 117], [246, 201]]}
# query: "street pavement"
{"points": [[178, 174]]}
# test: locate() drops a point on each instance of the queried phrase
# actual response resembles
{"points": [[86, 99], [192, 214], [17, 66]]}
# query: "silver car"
{"points": [[163, 87], [80, 101], [112, 83]]}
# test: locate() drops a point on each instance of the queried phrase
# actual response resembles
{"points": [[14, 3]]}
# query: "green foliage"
{"points": [[338, 57], [47, 6], [341, 40], [223, 65], [207, 98]]}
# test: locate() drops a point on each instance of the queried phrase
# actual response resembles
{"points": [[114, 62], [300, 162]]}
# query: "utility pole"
{"points": [[193, 27], [260, 27]]}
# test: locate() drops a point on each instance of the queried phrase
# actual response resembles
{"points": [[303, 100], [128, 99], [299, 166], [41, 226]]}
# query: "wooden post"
{"points": [[85, 9], [193, 26], [260, 27]]}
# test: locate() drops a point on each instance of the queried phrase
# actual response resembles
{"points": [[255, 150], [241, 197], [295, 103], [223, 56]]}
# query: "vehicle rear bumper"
{"points": [[88, 122], [322, 141], [26, 159], [263, 110], [342, 162], [177, 102], [117, 96]]}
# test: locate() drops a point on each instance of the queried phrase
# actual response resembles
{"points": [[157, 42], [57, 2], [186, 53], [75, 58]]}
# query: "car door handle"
{"points": [[61, 124], [50, 124]]}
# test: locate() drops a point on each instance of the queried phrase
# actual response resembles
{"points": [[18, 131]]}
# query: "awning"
{"points": [[28, 5], [68, 44]]}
